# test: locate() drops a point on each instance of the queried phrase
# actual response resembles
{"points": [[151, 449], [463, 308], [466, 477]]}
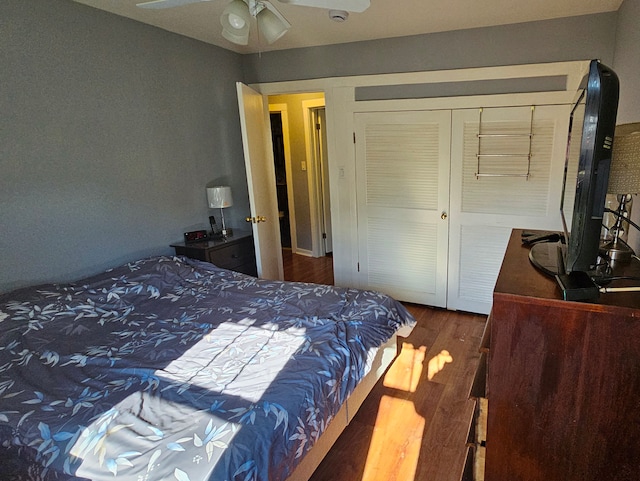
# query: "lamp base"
{"points": [[617, 251]]}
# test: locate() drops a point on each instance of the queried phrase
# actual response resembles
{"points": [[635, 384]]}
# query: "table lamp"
{"points": [[624, 181], [219, 197]]}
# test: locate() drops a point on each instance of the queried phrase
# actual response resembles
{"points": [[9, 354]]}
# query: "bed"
{"points": [[172, 368]]}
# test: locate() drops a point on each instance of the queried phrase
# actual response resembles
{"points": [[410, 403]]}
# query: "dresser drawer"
{"points": [[233, 255]]}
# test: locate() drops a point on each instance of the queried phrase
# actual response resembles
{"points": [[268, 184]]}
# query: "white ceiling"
{"points": [[383, 19]]}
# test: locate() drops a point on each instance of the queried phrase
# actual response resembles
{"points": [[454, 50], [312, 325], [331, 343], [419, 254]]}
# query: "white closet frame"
{"points": [[341, 105]]}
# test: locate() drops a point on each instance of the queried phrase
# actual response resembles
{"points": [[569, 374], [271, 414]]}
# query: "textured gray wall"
{"points": [[573, 38], [627, 66], [627, 61], [110, 130]]}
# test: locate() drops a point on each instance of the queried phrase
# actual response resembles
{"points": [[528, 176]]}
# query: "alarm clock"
{"points": [[196, 236]]}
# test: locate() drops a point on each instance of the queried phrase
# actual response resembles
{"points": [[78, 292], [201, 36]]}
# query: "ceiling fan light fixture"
{"points": [[235, 21], [237, 39], [271, 23]]}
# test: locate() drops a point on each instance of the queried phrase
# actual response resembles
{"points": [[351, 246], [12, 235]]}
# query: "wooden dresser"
{"points": [[563, 382]]}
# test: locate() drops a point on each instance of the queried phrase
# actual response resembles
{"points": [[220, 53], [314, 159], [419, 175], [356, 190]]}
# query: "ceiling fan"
{"points": [[237, 15], [356, 6]]}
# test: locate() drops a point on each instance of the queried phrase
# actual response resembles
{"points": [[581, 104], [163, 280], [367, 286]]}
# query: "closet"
{"points": [[402, 175], [438, 192], [429, 172]]}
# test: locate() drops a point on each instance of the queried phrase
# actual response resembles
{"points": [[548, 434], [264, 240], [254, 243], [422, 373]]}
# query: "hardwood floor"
{"points": [[414, 423], [318, 270]]}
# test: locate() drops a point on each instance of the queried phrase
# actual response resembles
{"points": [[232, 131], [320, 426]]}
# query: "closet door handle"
{"points": [[443, 216]]}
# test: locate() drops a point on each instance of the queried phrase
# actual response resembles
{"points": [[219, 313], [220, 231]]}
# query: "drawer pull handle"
{"points": [[234, 256]]}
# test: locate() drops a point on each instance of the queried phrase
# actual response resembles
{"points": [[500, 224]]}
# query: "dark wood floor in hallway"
{"points": [[414, 424], [300, 268]]}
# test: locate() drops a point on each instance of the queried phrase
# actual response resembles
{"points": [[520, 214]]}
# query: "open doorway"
{"points": [[280, 165], [300, 157], [320, 165]]}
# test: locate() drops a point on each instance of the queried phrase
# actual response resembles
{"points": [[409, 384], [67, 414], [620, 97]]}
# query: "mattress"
{"points": [[172, 368]]}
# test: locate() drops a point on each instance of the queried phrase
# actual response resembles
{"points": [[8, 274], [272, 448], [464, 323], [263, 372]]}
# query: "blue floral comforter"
{"points": [[173, 369]]}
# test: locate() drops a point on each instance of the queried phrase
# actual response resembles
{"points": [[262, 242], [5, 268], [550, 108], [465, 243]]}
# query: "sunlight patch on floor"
{"points": [[396, 436], [394, 450], [404, 374], [437, 363]]}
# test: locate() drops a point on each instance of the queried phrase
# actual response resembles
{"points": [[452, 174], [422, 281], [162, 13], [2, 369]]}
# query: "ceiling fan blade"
{"points": [[356, 6], [157, 4]]}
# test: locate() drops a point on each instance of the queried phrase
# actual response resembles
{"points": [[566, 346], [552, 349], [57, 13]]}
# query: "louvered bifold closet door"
{"points": [[402, 179], [486, 207]]}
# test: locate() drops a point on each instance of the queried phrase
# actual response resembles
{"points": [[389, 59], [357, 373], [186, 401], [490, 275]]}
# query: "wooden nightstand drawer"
{"points": [[233, 255], [236, 253]]}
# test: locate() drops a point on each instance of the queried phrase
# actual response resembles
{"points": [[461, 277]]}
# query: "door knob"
{"points": [[256, 220], [443, 216]]}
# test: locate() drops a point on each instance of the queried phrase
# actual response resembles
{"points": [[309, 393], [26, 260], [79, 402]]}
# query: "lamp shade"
{"points": [[219, 197], [624, 177], [271, 24], [236, 21]]}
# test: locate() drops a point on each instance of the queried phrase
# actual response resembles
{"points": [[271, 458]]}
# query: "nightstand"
{"points": [[236, 252]]}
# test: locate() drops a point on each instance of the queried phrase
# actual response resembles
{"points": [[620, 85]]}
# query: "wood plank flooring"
{"points": [[414, 424], [318, 270]]}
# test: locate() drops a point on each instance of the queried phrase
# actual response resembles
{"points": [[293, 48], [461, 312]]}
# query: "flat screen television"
{"points": [[586, 175]]}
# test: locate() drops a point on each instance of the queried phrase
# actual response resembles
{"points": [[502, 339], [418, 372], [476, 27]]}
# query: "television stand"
{"points": [[548, 257], [563, 383]]}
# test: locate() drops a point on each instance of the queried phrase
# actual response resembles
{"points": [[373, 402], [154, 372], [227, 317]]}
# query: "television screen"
{"points": [[586, 176], [574, 139], [587, 164]]}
